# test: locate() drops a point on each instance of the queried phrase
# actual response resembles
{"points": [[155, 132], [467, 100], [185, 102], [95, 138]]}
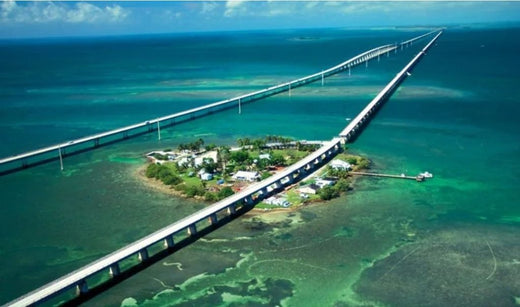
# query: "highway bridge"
{"points": [[58, 151], [98, 276]]}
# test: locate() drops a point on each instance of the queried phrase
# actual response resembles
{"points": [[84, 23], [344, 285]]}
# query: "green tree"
{"points": [[194, 190], [239, 156], [210, 196], [210, 147], [342, 185], [277, 159], [327, 193], [258, 144], [171, 179], [225, 192], [209, 165], [152, 170], [265, 175], [163, 172]]}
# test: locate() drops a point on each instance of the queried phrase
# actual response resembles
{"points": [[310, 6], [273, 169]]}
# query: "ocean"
{"points": [[452, 240]]}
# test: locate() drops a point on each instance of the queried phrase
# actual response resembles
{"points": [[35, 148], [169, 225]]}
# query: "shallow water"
{"points": [[455, 116]]}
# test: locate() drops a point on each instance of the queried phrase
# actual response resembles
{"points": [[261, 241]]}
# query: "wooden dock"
{"points": [[418, 178]]}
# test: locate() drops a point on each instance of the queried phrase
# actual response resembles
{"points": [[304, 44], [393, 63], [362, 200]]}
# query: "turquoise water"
{"points": [[449, 241]]}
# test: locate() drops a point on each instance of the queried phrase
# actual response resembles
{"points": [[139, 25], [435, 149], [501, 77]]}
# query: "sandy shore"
{"points": [[155, 184]]}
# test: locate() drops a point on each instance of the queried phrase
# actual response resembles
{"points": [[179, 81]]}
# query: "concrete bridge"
{"points": [[54, 152], [100, 275], [355, 125]]}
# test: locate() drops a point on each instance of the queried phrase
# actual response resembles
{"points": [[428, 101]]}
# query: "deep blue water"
{"points": [[456, 116]]}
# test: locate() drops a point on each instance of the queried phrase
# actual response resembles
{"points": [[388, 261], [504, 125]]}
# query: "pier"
{"points": [[102, 274], [418, 178], [59, 151]]}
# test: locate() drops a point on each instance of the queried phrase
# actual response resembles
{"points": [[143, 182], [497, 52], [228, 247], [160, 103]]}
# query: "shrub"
{"points": [[225, 192], [265, 175], [352, 161], [210, 196], [194, 190], [171, 179], [327, 193], [152, 170]]}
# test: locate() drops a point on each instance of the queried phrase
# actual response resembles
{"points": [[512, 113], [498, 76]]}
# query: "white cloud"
{"points": [[39, 12], [170, 15], [235, 7], [208, 7]]}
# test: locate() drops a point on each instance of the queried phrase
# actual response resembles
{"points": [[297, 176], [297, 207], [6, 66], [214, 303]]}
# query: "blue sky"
{"points": [[22, 19]]}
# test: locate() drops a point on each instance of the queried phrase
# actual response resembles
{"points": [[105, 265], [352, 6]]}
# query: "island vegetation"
{"points": [[212, 173]]}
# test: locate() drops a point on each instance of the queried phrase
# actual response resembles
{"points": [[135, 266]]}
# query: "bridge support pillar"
{"points": [[61, 158], [168, 242], [212, 219], [143, 255], [81, 287], [290, 178], [302, 171], [192, 229], [248, 200], [231, 209], [114, 270], [262, 194], [279, 184]]}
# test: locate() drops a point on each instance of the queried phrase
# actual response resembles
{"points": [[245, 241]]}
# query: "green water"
{"points": [[451, 240]]}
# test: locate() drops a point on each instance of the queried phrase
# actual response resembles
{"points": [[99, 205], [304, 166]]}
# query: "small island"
{"points": [[211, 173]]}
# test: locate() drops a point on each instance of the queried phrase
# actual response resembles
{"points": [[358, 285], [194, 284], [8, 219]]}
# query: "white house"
{"points": [[264, 156], [210, 156], [322, 182], [206, 176], [340, 164], [277, 201], [246, 176], [309, 189]]}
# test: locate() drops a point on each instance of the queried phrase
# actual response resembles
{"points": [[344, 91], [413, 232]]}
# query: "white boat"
{"points": [[426, 175]]}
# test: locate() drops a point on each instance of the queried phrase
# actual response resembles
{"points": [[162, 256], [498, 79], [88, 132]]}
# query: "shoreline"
{"points": [[157, 185]]}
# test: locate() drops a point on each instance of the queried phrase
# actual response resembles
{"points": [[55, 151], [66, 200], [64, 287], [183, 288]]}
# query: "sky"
{"points": [[38, 19]]}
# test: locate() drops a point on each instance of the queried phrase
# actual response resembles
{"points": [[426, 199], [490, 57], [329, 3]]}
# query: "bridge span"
{"points": [[99, 275], [354, 127], [54, 152]]}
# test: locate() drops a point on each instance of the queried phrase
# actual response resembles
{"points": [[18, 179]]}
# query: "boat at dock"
{"points": [[426, 175]]}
